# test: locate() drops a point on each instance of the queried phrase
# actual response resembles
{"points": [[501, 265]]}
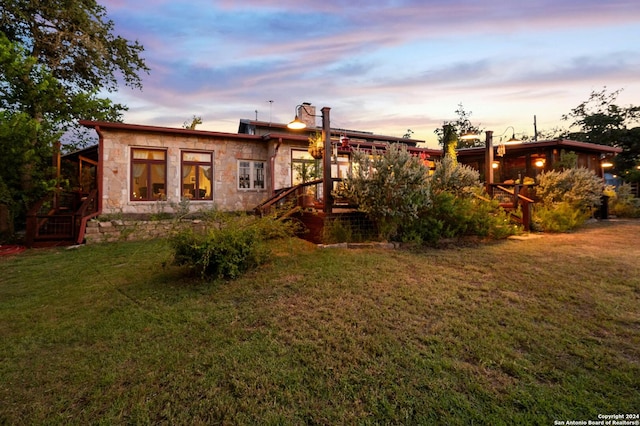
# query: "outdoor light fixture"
{"points": [[540, 162], [512, 140], [296, 124], [606, 164], [488, 153], [327, 183]]}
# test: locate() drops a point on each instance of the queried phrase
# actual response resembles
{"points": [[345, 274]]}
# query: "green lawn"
{"points": [[511, 332]]}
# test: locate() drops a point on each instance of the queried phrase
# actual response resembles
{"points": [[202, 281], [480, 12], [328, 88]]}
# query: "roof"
{"points": [[246, 126], [555, 143], [356, 139], [90, 152], [107, 125]]}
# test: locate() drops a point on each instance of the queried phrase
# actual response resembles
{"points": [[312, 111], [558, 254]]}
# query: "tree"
{"points": [[460, 126], [191, 125], [56, 56], [450, 142], [600, 120]]}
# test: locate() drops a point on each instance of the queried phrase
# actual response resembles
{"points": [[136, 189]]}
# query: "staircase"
{"points": [[60, 219], [300, 203]]}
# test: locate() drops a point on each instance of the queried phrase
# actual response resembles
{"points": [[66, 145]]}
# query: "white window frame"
{"points": [[255, 167]]}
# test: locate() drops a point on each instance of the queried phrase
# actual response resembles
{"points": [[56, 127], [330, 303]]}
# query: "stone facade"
{"points": [[133, 230], [227, 150]]}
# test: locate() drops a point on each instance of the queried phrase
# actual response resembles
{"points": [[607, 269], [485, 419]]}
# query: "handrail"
{"points": [[89, 205], [61, 223], [266, 206], [526, 205]]}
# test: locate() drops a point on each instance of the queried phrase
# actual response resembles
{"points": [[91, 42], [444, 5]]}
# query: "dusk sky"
{"points": [[382, 66]]}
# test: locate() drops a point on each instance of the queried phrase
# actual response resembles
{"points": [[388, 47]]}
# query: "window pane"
{"points": [[157, 155], [139, 186], [157, 181], [259, 175], [301, 155], [204, 182], [199, 157], [148, 154], [244, 174]]}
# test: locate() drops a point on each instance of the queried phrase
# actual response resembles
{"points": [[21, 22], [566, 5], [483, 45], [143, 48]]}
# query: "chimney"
{"points": [[306, 114]]}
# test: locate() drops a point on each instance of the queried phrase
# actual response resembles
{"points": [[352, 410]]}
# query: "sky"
{"points": [[381, 66]]}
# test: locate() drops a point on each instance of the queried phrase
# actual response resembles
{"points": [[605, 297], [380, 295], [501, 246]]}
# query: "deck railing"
{"points": [[511, 198], [61, 217]]}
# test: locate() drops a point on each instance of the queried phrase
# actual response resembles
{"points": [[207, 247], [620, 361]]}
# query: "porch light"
{"points": [[296, 124], [512, 140], [468, 136], [495, 164], [539, 162], [327, 182]]}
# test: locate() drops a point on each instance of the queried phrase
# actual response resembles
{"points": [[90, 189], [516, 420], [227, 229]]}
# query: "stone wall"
{"points": [[132, 230], [226, 151]]}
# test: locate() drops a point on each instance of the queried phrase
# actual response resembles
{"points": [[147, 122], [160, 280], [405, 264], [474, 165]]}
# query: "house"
{"points": [[139, 166], [513, 162], [139, 170]]}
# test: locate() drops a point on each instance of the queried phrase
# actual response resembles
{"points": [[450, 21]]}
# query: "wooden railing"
{"points": [[511, 198], [290, 199], [61, 217]]}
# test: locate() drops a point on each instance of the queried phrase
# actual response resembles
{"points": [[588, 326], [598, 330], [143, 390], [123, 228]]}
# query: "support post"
{"points": [[327, 183], [488, 160]]}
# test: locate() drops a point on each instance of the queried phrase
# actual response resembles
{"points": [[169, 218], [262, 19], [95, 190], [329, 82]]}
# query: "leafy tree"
{"points": [[460, 126], [56, 56], [599, 120]]}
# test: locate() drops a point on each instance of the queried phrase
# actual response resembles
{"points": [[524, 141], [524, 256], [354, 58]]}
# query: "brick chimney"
{"points": [[306, 114]]}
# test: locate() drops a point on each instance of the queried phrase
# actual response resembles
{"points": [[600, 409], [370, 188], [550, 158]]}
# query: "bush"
{"points": [[451, 176], [558, 217], [231, 245], [623, 204], [451, 216], [391, 187], [579, 187], [568, 198]]}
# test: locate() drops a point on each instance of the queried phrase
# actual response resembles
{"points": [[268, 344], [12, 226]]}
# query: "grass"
{"points": [[513, 332]]}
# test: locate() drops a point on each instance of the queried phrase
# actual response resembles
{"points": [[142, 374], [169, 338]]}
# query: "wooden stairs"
{"points": [[60, 219]]}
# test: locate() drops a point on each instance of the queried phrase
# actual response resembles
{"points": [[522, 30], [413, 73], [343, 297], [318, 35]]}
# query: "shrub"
{"points": [[623, 204], [391, 187], [558, 217], [568, 199], [230, 245], [579, 187], [451, 216], [451, 176]]}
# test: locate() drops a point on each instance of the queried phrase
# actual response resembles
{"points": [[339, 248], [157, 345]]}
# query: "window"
{"points": [[197, 175], [148, 174], [304, 167], [250, 174]]}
